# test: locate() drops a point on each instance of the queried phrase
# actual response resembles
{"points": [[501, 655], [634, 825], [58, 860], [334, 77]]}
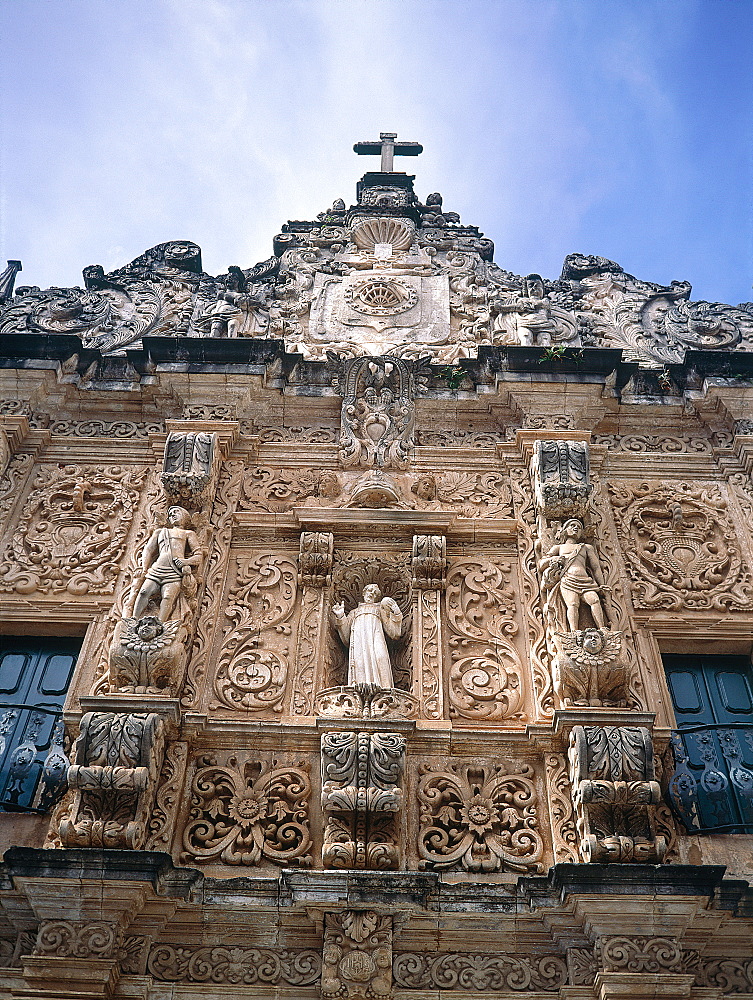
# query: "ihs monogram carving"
{"points": [[479, 818], [253, 662], [680, 547], [72, 532], [117, 758], [357, 955], [485, 675], [378, 412], [244, 812], [467, 971], [361, 798], [615, 792]]}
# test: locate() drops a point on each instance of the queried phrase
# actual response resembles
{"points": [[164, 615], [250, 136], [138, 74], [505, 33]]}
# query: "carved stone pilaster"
{"points": [[362, 798], [314, 576], [357, 955], [117, 759], [429, 576], [615, 792]]}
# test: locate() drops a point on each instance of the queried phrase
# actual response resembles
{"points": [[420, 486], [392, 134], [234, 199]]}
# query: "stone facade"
{"points": [[374, 550]]}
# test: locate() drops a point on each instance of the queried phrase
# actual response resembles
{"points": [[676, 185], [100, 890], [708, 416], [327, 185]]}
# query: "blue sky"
{"points": [[617, 128]]}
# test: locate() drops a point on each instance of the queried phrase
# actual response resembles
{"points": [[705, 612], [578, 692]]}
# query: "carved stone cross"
{"points": [[388, 149]]}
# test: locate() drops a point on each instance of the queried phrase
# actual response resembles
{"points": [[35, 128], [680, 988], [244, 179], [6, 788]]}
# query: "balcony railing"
{"points": [[712, 787], [33, 764]]}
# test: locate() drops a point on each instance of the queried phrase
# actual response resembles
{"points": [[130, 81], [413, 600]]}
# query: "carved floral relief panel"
{"points": [[485, 680], [253, 661], [246, 811], [681, 547], [72, 531], [480, 816]]}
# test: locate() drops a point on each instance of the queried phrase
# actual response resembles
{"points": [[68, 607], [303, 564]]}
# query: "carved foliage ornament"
{"points": [[479, 818], [463, 971], [244, 813], [72, 532], [485, 676], [253, 663], [77, 939], [561, 478], [189, 468], [680, 547], [175, 963]]}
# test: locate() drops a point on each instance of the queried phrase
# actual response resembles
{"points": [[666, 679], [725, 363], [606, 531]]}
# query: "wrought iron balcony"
{"points": [[33, 764], [712, 787]]}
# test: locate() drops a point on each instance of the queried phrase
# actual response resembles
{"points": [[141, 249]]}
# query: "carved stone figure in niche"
{"points": [[167, 564], [363, 632], [571, 575]]}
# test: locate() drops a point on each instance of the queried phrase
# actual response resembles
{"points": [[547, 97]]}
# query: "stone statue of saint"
{"points": [[167, 564], [363, 632], [571, 574]]}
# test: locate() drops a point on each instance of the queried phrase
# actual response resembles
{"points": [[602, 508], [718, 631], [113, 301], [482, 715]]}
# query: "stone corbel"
{"points": [[615, 793], [362, 798], [117, 761]]}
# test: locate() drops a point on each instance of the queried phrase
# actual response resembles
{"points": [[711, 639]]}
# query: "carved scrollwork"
{"points": [[77, 939], [72, 532], [243, 812], [639, 954], [477, 972], [680, 547], [479, 818], [253, 665], [236, 966], [485, 676]]}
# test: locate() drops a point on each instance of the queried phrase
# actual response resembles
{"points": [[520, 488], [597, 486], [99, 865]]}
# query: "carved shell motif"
{"points": [[398, 233]]}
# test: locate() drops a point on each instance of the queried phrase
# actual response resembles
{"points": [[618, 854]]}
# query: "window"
{"points": [[34, 677], [712, 788]]}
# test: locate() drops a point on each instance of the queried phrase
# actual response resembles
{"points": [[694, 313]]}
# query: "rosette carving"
{"points": [[243, 812], [479, 818]]}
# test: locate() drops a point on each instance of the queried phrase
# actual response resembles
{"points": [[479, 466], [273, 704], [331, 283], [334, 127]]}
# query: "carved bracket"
{"points": [[615, 793], [190, 467], [357, 955], [361, 799], [117, 759]]}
